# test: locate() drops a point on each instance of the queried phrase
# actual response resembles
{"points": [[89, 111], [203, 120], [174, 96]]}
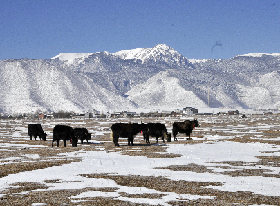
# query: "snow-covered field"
{"points": [[230, 160]]}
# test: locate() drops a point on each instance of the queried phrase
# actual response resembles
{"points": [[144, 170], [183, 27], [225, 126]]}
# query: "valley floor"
{"points": [[230, 160]]}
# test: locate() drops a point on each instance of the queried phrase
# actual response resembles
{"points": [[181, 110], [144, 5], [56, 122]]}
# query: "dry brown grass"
{"points": [[190, 167], [196, 188]]}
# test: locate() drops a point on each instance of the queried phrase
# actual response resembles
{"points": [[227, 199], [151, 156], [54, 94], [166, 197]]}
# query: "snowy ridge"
{"points": [[70, 58], [102, 81], [260, 54], [41, 88], [161, 90], [160, 50]]}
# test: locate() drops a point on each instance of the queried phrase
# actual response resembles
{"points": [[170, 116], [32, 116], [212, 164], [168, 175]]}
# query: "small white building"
{"points": [[190, 111]]}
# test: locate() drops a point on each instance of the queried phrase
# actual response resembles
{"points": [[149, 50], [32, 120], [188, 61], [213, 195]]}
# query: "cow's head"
{"points": [[88, 136], [195, 123], [143, 127], [44, 136]]}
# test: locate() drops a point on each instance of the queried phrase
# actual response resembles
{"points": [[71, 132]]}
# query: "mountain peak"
{"points": [[163, 47], [160, 51]]}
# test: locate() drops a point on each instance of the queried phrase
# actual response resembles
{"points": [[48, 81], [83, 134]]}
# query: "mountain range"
{"points": [[143, 78]]}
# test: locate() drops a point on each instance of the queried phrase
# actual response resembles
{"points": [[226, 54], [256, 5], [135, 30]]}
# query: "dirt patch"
{"points": [[24, 186], [158, 183], [269, 161], [56, 197], [190, 167], [150, 151], [251, 172], [144, 195], [234, 173], [251, 139]]}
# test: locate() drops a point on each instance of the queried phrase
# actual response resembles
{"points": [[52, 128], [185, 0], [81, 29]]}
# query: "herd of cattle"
{"points": [[118, 130]]}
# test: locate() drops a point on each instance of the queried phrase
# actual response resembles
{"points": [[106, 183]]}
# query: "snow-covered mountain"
{"points": [[163, 91], [71, 58], [148, 78], [39, 85], [160, 52], [261, 54]]}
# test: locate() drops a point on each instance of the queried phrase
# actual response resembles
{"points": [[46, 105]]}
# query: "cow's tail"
{"points": [[112, 135]]}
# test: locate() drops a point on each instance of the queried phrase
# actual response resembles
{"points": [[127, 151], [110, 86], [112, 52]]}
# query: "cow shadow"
{"points": [[89, 143], [143, 145], [158, 144]]}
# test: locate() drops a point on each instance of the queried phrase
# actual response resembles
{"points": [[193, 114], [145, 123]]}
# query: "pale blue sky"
{"points": [[44, 28]]}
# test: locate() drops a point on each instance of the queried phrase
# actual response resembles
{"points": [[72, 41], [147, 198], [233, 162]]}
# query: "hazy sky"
{"points": [[44, 28]]}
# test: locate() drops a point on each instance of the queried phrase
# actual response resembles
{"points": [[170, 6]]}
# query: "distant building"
{"points": [[116, 115], [190, 111], [123, 114], [88, 115]]}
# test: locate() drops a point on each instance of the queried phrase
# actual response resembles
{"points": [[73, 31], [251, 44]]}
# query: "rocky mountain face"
{"points": [[151, 78]]}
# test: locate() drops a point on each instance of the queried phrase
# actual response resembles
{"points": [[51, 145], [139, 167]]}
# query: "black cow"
{"points": [[63, 132], [155, 130], [184, 127], [36, 130], [82, 134], [125, 130]]}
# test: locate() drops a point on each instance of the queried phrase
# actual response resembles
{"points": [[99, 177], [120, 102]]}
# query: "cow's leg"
{"points": [[163, 134], [57, 143], [74, 142], [157, 138], [175, 134], [168, 137], [147, 139], [35, 137], [130, 140], [115, 140], [82, 141], [64, 142], [30, 137]]}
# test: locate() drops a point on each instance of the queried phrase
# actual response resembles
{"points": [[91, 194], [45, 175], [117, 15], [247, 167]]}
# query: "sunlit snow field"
{"points": [[237, 154]]}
